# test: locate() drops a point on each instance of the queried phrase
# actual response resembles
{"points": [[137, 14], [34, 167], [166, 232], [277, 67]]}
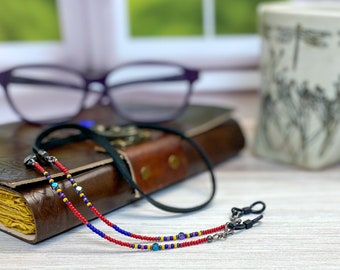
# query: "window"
{"points": [[35, 31], [175, 36], [38, 20], [212, 34]]}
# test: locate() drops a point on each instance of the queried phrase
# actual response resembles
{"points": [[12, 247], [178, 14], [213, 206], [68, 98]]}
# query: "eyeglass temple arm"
{"points": [[24, 80], [190, 75]]}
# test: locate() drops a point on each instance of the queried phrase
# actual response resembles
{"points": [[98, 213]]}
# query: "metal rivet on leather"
{"points": [[145, 172], [173, 162]]}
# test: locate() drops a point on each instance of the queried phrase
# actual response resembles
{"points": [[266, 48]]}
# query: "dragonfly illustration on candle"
{"points": [[298, 34]]}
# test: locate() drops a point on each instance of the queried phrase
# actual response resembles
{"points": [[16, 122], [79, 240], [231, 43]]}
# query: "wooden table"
{"points": [[300, 228]]}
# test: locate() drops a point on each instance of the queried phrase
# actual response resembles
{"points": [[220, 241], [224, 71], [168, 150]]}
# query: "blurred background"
{"points": [[32, 20], [217, 36], [38, 20], [98, 34]]}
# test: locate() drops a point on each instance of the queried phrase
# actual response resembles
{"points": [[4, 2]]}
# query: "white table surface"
{"points": [[300, 228]]}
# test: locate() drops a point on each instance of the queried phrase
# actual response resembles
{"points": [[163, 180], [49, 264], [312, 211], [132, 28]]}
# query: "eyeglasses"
{"points": [[146, 92]]}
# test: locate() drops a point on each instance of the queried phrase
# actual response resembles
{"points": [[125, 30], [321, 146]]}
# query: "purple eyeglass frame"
{"points": [[188, 74]]}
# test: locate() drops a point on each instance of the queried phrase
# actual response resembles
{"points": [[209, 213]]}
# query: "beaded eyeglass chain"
{"points": [[204, 236]]}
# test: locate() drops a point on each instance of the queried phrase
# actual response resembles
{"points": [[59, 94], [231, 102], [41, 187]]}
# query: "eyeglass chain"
{"points": [[211, 234]]}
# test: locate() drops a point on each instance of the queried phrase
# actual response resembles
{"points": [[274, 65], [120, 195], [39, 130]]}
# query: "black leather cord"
{"points": [[86, 133]]}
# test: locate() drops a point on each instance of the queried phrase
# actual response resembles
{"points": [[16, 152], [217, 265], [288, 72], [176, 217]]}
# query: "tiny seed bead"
{"points": [[143, 237], [39, 168], [194, 242], [61, 167], [117, 242], [213, 230]]}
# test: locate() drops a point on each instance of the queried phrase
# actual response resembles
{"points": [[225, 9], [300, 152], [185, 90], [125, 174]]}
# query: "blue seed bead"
{"points": [[89, 225], [125, 233]]}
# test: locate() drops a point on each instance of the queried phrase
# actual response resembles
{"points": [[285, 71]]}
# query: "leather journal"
{"points": [[31, 211]]}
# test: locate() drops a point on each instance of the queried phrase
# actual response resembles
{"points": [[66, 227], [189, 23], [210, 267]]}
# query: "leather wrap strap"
{"points": [[86, 133]]}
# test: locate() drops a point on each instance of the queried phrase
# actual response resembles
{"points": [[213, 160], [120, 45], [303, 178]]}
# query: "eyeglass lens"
{"points": [[45, 94], [148, 93]]}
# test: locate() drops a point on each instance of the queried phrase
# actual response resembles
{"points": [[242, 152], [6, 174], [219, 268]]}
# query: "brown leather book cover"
{"points": [[31, 211]]}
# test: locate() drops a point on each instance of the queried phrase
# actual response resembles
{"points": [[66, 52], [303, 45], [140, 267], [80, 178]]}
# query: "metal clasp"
{"points": [[122, 136], [252, 209], [235, 221]]}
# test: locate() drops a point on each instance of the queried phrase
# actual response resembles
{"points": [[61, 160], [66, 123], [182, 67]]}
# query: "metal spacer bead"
{"points": [[210, 238]]}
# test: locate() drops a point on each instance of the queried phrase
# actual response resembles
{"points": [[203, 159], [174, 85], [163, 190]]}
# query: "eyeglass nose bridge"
{"points": [[98, 86], [192, 75]]}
